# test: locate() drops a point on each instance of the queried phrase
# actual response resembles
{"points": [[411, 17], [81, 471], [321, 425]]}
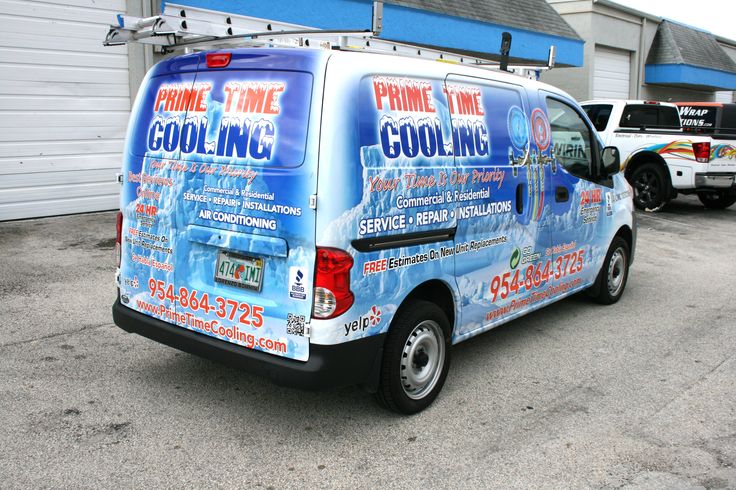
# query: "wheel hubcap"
{"points": [[647, 187], [616, 271], [422, 359]]}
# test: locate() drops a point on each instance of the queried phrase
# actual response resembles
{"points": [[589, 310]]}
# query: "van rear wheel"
{"points": [[416, 358]]}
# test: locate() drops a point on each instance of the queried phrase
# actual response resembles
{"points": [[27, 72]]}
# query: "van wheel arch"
{"points": [[437, 292], [628, 236], [434, 291]]}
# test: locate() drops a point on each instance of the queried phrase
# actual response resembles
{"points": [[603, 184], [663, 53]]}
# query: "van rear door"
{"points": [[149, 193], [243, 231]]}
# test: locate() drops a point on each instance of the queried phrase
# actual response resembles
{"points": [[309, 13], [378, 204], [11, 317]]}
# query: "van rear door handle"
{"points": [[561, 194]]}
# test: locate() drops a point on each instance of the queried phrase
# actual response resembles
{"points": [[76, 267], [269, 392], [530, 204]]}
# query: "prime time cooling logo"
{"points": [[409, 125], [246, 130]]}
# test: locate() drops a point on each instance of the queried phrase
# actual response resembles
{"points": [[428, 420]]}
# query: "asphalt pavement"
{"points": [[641, 394]]}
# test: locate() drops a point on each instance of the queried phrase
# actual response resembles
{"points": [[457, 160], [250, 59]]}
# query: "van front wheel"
{"points": [[416, 358], [612, 277]]}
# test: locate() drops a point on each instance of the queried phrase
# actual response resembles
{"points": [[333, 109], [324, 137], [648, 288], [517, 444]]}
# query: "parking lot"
{"points": [[640, 394]]}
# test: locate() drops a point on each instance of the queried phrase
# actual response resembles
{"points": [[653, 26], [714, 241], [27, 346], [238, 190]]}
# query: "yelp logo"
{"points": [[375, 316], [372, 319]]}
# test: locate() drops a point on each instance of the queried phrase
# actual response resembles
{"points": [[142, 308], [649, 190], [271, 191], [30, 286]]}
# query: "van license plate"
{"points": [[239, 270]]}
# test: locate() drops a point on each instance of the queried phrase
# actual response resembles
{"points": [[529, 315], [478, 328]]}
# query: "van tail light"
{"points": [[332, 295], [118, 237], [218, 60], [702, 151]]}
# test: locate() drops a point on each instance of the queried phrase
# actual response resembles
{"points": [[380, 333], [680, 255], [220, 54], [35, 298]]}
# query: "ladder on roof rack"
{"points": [[189, 28]]}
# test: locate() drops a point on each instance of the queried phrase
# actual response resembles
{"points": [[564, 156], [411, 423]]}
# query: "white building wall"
{"points": [[604, 26]]}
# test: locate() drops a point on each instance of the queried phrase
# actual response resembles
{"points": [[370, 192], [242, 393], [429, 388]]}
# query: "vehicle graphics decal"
{"points": [[683, 149], [218, 228], [459, 155], [678, 148], [723, 151]]}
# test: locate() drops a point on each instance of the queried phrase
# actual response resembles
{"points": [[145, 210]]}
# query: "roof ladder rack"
{"points": [[187, 28]]}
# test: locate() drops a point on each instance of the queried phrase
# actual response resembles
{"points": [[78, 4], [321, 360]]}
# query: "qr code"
{"points": [[295, 324]]}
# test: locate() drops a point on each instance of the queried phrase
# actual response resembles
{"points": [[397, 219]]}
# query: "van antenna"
{"points": [[505, 48], [551, 57]]}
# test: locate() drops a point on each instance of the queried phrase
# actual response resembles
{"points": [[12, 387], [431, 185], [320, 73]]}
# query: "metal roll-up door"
{"points": [[611, 73], [64, 104], [724, 97]]}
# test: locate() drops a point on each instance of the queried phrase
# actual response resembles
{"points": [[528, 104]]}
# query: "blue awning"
{"points": [[412, 25], [686, 57], [689, 76]]}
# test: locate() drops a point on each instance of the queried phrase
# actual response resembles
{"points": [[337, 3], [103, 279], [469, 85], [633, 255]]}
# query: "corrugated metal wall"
{"points": [[64, 106]]}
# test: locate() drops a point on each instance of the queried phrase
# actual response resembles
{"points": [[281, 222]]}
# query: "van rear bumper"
{"points": [[328, 366]]}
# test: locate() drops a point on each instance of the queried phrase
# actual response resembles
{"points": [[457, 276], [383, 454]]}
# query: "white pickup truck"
{"points": [[659, 159]]}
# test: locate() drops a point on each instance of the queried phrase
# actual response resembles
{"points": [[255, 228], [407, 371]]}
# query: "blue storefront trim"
{"points": [[407, 25], [682, 74]]}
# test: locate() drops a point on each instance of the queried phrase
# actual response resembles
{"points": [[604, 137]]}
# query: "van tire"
{"points": [[717, 200], [416, 358], [651, 186], [614, 273]]}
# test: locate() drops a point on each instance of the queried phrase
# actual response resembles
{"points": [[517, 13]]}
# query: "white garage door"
{"points": [[725, 97], [64, 104], [611, 73]]}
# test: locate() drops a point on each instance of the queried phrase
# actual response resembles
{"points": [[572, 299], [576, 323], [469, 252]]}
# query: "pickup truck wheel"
{"points": [[650, 186], [614, 272], [717, 200], [416, 358]]}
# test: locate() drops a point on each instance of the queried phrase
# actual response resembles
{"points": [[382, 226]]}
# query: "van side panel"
{"points": [[502, 196], [385, 164], [467, 158]]}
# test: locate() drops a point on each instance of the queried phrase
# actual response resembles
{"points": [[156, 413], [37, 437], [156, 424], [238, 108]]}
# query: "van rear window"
{"points": [[226, 117]]}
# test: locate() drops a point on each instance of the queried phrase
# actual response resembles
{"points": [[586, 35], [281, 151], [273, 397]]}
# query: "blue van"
{"points": [[327, 218]]}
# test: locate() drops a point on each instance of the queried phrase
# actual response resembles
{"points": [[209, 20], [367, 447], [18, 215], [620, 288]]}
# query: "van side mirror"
{"points": [[611, 159]]}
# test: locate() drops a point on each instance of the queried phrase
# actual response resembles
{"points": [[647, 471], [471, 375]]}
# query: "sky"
{"points": [[716, 16]]}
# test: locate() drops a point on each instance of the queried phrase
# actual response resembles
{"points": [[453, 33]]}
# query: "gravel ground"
{"points": [[638, 395]]}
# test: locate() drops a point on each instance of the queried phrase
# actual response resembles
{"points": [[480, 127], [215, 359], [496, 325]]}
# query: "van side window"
{"points": [[650, 116], [599, 115], [571, 139]]}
